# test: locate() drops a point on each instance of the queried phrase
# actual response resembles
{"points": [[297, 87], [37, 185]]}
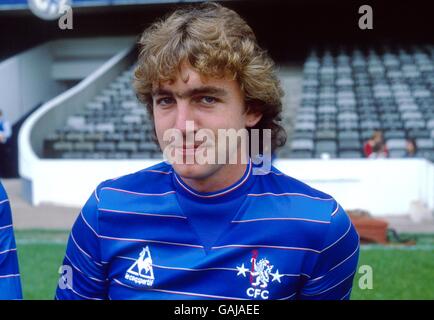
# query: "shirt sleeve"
{"points": [[10, 282], [335, 267], [83, 274]]}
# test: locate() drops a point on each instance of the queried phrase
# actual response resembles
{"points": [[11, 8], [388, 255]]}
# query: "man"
{"points": [[219, 230], [10, 284], [5, 129]]}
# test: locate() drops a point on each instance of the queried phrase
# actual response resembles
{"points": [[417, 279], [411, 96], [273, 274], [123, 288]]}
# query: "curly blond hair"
{"points": [[216, 42]]}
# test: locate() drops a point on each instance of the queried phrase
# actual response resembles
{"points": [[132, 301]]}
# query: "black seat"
{"points": [[394, 134], [350, 154], [326, 146], [419, 133], [300, 154], [349, 145], [325, 135]]}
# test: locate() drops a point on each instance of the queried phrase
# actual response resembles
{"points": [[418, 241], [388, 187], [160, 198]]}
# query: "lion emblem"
{"points": [[262, 270]]}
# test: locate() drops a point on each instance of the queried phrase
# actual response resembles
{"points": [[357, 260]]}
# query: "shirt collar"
{"points": [[237, 189]]}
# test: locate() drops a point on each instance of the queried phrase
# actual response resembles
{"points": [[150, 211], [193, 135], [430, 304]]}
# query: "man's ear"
{"points": [[253, 115], [252, 118]]}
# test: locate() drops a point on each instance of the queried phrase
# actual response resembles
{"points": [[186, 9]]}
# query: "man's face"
{"points": [[211, 103]]}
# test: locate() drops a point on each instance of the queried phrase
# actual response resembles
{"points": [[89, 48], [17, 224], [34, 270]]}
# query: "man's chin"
{"points": [[193, 171]]}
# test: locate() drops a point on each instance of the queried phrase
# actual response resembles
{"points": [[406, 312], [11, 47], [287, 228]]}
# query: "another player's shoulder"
{"points": [[5, 212], [3, 195], [152, 180]]}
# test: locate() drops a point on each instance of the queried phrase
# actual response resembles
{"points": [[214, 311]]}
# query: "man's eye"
{"points": [[164, 101], [208, 100]]}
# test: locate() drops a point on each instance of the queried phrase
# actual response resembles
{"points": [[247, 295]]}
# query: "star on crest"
{"points": [[276, 276], [242, 270]]}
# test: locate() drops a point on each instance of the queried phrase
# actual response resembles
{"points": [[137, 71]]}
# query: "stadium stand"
{"points": [[111, 126], [347, 94]]}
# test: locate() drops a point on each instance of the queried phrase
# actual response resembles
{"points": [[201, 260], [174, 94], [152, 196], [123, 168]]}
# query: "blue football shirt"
{"points": [[10, 284], [140, 236]]}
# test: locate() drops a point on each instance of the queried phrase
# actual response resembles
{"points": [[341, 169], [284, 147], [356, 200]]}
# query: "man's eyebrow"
{"points": [[191, 92], [207, 90]]}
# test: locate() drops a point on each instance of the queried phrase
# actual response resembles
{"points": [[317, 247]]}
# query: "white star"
{"points": [[276, 276], [242, 270]]}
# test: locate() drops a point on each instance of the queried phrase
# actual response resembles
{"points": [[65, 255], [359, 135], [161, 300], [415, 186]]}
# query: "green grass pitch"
{"points": [[397, 273]]}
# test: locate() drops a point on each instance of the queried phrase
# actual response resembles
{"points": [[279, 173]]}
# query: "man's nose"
{"points": [[184, 117]]}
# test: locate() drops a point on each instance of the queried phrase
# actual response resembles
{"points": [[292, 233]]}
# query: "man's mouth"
{"points": [[190, 148]]}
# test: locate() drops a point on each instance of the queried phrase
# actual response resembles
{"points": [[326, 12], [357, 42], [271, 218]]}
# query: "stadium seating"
{"points": [[114, 125], [347, 94]]}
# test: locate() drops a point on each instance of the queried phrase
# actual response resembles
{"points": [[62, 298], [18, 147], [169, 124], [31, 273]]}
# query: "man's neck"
{"points": [[224, 177]]}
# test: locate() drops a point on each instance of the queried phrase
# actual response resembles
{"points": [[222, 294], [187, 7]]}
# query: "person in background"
{"points": [[375, 147], [5, 129], [411, 148]]}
